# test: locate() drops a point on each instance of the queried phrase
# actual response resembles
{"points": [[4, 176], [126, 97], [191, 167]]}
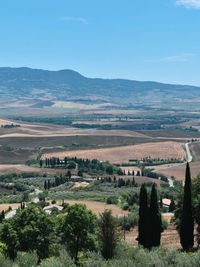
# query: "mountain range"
{"points": [[27, 83]]}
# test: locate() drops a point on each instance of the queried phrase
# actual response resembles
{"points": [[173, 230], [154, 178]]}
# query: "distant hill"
{"points": [[44, 85]]}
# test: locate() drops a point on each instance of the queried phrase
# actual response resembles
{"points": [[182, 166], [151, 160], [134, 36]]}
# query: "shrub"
{"points": [[62, 261], [125, 206], [27, 259], [112, 200]]}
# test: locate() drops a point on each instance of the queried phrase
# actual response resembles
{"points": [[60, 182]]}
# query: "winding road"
{"points": [[188, 159], [188, 152]]}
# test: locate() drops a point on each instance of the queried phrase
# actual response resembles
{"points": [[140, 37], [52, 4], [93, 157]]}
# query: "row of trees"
{"points": [[83, 165], [118, 182], [150, 223], [58, 180], [187, 214]]}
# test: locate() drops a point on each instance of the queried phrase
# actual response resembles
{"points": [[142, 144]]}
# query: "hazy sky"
{"points": [[136, 39]]}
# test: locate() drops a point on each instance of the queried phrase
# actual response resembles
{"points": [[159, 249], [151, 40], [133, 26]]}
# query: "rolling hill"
{"points": [[25, 83]]}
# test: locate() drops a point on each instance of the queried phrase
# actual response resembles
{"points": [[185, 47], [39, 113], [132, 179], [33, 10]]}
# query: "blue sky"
{"points": [[136, 39]]}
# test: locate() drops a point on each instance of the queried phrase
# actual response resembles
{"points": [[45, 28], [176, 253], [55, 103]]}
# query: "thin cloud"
{"points": [[75, 19], [189, 3], [178, 58], [174, 58]]}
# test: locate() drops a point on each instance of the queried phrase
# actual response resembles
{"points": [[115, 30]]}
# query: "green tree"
{"points": [[155, 221], [78, 230], [143, 218], [9, 236], [34, 230], [71, 165], [108, 234], [120, 172], [109, 170], [187, 220]]}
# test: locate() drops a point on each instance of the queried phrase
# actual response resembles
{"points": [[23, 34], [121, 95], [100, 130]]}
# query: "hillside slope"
{"points": [[23, 83]]}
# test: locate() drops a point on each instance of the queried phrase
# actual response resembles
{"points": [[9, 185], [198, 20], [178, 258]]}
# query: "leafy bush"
{"points": [[62, 261], [27, 259], [112, 200], [125, 206]]}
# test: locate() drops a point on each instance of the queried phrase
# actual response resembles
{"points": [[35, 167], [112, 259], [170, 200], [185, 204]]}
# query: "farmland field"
{"points": [[178, 171], [22, 168], [164, 150], [98, 207], [31, 140]]}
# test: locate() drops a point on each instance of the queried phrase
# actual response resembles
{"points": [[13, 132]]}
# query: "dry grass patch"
{"points": [[5, 207], [98, 207], [21, 168], [178, 171]]}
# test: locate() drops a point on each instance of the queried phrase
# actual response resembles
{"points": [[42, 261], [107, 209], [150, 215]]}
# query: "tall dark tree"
{"points": [[108, 234], [45, 185], [48, 184], [133, 182], [187, 221], [155, 221], [41, 163], [172, 206], [143, 218]]}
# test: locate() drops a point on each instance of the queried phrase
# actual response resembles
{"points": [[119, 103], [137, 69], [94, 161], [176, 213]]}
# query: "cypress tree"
{"points": [[133, 181], [187, 221], [143, 218], [172, 206], [155, 222], [45, 185], [41, 163], [48, 184]]}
